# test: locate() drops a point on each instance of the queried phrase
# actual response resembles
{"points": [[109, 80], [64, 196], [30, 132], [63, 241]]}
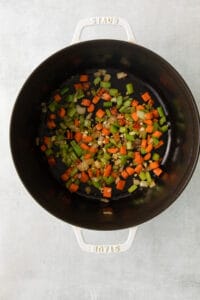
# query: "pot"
{"points": [[161, 78]]}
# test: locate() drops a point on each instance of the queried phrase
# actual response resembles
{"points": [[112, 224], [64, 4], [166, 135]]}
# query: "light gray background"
{"points": [[39, 256]]}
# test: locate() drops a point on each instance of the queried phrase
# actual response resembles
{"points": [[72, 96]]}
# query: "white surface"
{"points": [[39, 256]]}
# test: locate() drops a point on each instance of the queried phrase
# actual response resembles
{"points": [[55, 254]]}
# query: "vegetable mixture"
{"points": [[104, 136]]}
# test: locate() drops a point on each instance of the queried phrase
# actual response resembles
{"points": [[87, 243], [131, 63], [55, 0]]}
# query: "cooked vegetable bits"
{"points": [[104, 136]]}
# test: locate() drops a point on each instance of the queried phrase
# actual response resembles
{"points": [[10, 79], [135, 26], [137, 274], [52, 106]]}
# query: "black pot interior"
{"points": [[167, 86]]}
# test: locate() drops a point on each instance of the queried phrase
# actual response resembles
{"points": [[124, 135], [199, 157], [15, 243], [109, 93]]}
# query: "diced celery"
{"points": [[119, 101], [105, 84], [148, 177], [53, 106], [142, 175], [113, 92], [155, 156], [164, 128], [114, 128], [129, 88], [132, 188], [64, 90], [162, 120], [160, 111], [107, 104], [77, 149], [97, 80]]}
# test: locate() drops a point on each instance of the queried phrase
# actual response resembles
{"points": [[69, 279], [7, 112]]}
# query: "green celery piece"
{"points": [[73, 156], [155, 141], [123, 159], [97, 80], [109, 180], [155, 126], [53, 106], [79, 94], [49, 152], [130, 137], [67, 184], [132, 188], [127, 103], [69, 98], [107, 104], [96, 184], [129, 88], [122, 129], [71, 112], [64, 90], [108, 112], [164, 128], [148, 177], [160, 111], [105, 84], [162, 120], [114, 128], [119, 101], [77, 149], [74, 171], [142, 175], [155, 156], [129, 145], [143, 151], [113, 92]]}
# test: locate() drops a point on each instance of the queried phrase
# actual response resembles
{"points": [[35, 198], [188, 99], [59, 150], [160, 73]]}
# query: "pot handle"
{"points": [[105, 20], [104, 248]]}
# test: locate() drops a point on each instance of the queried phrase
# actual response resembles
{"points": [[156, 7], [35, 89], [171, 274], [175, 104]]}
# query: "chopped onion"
{"points": [[80, 110], [107, 77], [143, 183], [121, 75]]}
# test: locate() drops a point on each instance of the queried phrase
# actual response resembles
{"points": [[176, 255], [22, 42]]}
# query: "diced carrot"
{"points": [[138, 159], [100, 113], [99, 126], [148, 122], [107, 170], [83, 78], [114, 174], [159, 144], [86, 85], [116, 137], [148, 116], [146, 96], [140, 107], [85, 102], [151, 102], [138, 168], [78, 136], [69, 135], [93, 149], [43, 148], [155, 113], [61, 112], [64, 176], [90, 173], [114, 111], [101, 91], [78, 86], [51, 124], [124, 174], [157, 171], [87, 156], [107, 192], [157, 134], [87, 139], [134, 116], [149, 148], [57, 97], [122, 150], [149, 128], [106, 96], [76, 122], [105, 131], [51, 161], [120, 185], [84, 177], [112, 150], [134, 103], [52, 116], [84, 146], [73, 187], [153, 165], [147, 156], [143, 143], [91, 108], [106, 140], [95, 99], [122, 122], [130, 170], [47, 140]]}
